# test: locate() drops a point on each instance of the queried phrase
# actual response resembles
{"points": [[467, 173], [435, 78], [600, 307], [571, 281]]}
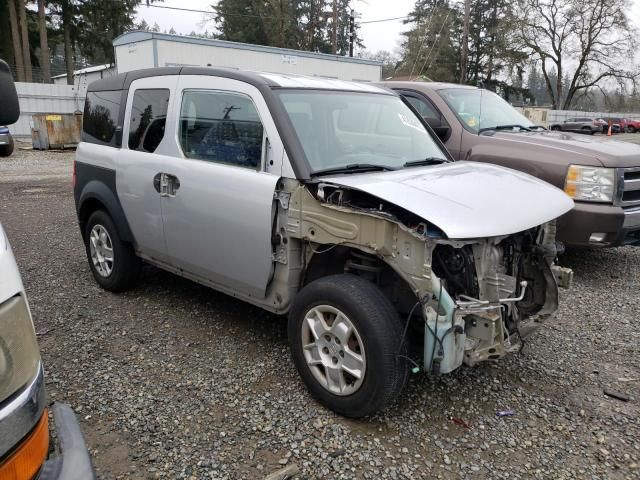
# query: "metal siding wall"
{"points": [[175, 53], [134, 56], [45, 98]]}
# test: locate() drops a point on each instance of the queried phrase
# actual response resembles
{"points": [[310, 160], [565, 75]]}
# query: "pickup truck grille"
{"points": [[629, 193]]}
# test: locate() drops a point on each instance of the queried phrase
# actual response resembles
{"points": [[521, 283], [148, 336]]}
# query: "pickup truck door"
{"points": [[142, 157], [218, 191]]}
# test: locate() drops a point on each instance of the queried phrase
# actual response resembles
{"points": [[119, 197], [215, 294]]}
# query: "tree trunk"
{"points": [[24, 32], [559, 86], [15, 39], [68, 47], [44, 43], [334, 33], [464, 57]]}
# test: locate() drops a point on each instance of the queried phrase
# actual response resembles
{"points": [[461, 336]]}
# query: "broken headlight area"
{"points": [[486, 295]]}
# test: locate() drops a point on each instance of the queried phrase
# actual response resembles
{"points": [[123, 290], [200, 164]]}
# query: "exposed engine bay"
{"points": [[477, 297]]}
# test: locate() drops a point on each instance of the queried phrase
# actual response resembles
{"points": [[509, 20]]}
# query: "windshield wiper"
{"points": [[353, 168], [426, 161], [505, 127]]}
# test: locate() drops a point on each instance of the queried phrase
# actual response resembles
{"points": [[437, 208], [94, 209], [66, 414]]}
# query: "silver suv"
{"points": [[329, 201]]}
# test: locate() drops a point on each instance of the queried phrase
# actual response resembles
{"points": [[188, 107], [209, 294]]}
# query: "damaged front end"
{"points": [[477, 297]]}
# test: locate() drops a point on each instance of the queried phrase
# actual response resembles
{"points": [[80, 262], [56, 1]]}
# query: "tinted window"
{"points": [[100, 118], [148, 118], [220, 127], [423, 107]]}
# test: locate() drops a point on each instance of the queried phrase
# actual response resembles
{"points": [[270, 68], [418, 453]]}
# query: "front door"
{"points": [[219, 209]]}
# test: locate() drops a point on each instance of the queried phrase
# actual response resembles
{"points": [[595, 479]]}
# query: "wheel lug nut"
{"points": [[325, 350], [341, 353], [327, 338], [337, 340], [335, 360]]}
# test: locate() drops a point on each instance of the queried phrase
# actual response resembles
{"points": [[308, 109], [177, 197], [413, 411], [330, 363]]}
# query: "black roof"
{"points": [[122, 81]]}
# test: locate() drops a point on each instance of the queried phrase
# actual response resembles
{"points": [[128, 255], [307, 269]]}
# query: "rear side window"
{"points": [[221, 127], [100, 117], [148, 119]]}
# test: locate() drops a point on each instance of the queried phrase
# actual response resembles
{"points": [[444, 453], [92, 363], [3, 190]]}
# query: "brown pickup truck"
{"points": [[602, 176]]}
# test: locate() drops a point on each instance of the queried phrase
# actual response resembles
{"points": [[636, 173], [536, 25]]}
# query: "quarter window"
{"points": [[100, 117], [148, 119], [221, 127]]}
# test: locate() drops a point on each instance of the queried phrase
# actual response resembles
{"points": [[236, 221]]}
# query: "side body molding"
{"points": [[98, 184]]}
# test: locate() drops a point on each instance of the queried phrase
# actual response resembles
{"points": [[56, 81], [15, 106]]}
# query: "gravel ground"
{"points": [[173, 380]]}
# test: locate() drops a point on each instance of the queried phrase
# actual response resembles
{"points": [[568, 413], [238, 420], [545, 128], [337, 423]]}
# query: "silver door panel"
{"points": [[134, 177]]}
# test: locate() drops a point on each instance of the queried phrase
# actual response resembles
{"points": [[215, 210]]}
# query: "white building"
{"points": [[141, 49], [85, 76]]}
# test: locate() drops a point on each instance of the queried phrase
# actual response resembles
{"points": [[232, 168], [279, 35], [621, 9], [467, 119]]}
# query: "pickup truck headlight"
{"points": [[590, 184], [19, 355]]}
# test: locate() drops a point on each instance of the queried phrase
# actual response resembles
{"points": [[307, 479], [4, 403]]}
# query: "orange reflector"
{"points": [[25, 462], [570, 189]]}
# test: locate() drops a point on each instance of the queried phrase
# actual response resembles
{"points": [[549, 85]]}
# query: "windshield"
{"points": [[493, 112], [341, 129]]}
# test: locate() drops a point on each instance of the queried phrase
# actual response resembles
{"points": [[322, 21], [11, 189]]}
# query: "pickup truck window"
{"points": [[148, 118], [336, 129], [481, 109], [423, 107], [221, 127]]}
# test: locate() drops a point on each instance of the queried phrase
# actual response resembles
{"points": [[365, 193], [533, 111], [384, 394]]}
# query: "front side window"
{"points": [[338, 129], [100, 117], [221, 127], [481, 109], [423, 107], [148, 119]]}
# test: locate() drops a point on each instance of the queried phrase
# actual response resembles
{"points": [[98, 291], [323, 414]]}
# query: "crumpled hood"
{"points": [[579, 148], [465, 199]]}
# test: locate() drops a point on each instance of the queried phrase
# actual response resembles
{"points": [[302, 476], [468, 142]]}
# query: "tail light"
{"points": [[74, 178]]}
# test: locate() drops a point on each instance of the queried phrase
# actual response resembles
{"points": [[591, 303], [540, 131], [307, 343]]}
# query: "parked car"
{"points": [[326, 200], [633, 126], [6, 142], [618, 125], [578, 124], [25, 451], [601, 175]]}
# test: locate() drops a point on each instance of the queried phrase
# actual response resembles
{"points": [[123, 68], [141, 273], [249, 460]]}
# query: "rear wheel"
{"points": [[555, 128], [345, 341], [113, 262], [631, 129]]}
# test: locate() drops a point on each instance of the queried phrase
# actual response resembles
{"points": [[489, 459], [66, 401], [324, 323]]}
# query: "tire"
{"points": [[7, 150], [378, 332], [124, 265], [631, 129], [555, 128]]}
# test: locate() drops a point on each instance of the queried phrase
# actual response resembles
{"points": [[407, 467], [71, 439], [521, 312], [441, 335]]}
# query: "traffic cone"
{"points": [[609, 133]]}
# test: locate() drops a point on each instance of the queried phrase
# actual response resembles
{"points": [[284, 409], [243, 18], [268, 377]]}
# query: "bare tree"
{"points": [[590, 40], [15, 40], [24, 33], [44, 43]]}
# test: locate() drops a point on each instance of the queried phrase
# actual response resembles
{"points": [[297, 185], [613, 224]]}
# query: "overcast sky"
{"points": [[376, 36]]}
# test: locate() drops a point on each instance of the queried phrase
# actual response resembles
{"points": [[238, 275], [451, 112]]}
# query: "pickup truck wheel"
{"points": [[345, 339], [113, 262]]}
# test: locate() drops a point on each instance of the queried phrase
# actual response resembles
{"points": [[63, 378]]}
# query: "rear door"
{"points": [[218, 219], [142, 158]]}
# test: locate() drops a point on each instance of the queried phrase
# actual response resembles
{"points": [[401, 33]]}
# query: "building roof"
{"points": [[94, 68], [141, 35], [123, 80]]}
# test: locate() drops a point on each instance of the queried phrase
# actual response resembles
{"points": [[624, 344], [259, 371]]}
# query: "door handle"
{"points": [[173, 184], [166, 184]]}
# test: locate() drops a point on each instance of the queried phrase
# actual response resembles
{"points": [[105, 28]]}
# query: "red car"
{"points": [[633, 126]]}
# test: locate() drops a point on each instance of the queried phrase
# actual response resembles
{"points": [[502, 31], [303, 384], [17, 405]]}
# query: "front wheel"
{"points": [[7, 149], [345, 339], [555, 128], [113, 262]]}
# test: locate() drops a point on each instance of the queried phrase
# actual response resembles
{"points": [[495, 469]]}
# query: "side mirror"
{"points": [[441, 130], [10, 109]]}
